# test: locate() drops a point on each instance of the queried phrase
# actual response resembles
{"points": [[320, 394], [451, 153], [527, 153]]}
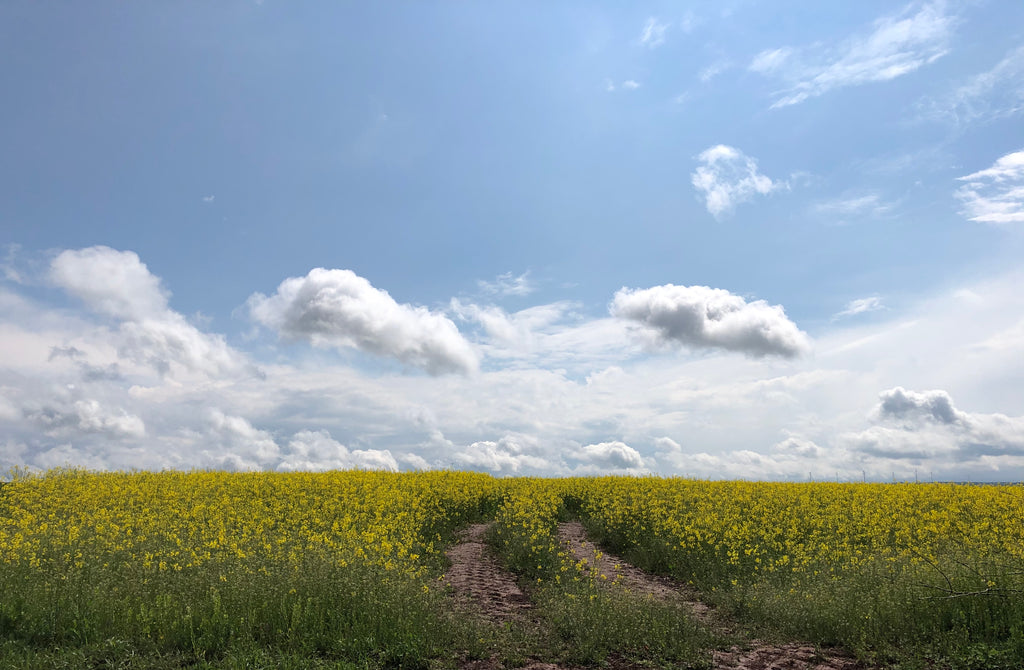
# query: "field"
{"points": [[349, 569]]}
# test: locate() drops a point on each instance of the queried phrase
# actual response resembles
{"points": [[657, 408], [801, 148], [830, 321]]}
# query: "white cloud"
{"points": [[119, 285], [770, 60], [233, 443], [550, 335], [115, 283], [8, 265], [897, 45], [85, 416], [860, 206], [611, 455], [713, 70], [728, 177], [900, 404], [338, 308], [995, 93], [509, 455], [703, 317], [209, 198], [315, 451], [508, 284], [917, 427], [860, 306], [653, 34], [631, 85], [67, 397], [996, 194], [799, 447]]}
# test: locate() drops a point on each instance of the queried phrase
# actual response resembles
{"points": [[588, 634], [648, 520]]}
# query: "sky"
{"points": [[777, 241]]}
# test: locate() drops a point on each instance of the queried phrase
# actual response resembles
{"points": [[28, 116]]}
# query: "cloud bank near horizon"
{"points": [[127, 382]]}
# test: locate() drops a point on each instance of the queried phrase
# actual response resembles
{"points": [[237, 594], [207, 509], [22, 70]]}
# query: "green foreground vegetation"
{"points": [[217, 570]]}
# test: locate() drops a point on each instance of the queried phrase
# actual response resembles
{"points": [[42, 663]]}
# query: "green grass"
{"points": [[962, 613], [318, 611]]}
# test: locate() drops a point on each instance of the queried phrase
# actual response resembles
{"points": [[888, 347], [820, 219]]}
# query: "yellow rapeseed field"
{"points": [[348, 565]]}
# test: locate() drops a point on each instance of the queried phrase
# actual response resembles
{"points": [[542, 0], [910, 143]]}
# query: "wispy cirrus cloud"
{"points": [[860, 306], [842, 209], [508, 284], [897, 45], [727, 177], [653, 34], [995, 93], [711, 71], [995, 194]]}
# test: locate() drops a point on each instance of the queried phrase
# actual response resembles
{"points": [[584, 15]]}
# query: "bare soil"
{"points": [[480, 584]]}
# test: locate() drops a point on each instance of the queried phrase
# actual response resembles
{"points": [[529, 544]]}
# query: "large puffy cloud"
{"points": [[111, 282], [341, 309], [920, 426], [995, 194], [117, 284], [711, 416], [699, 316], [611, 455], [900, 404], [728, 177]]}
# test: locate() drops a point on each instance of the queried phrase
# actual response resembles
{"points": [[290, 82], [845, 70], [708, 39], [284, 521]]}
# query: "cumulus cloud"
{"points": [[231, 442], [995, 194], [800, 447], [993, 94], [860, 306], [611, 455], [118, 284], [85, 416], [111, 282], [920, 426], [703, 317], [316, 451], [338, 308], [728, 177], [653, 34], [509, 455], [897, 45], [937, 406]]}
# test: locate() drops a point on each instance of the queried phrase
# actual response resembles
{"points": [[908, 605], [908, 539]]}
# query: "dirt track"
{"points": [[482, 586], [479, 581]]}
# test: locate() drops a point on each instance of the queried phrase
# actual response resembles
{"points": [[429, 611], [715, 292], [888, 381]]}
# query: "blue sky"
{"points": [[757, 240]]}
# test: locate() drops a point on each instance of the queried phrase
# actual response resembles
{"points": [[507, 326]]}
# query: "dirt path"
{"points": [[480, 583], [752, 655]]}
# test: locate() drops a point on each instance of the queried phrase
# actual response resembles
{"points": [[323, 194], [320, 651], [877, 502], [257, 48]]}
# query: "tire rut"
{"points": [[751, 655], [480, 583]]}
